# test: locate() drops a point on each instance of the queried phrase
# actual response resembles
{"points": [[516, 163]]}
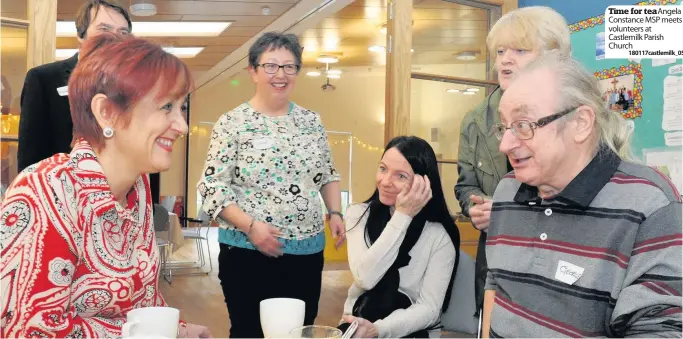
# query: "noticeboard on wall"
{"points": [[646, 92]]}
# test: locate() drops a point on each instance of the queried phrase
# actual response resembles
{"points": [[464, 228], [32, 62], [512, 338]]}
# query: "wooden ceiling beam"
{"points": [[42, 29], [399, 63]]}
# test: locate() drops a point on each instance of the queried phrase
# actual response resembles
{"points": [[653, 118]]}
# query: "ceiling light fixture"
{"points": [[313, 74], [334, 72], [469, 93], [62, 54], [334, 76], [473, 89], [328, 59], [453, 90], [376, 48], [184, 52], [143, 9], [159, 28], [180, 52], [467, 56]]}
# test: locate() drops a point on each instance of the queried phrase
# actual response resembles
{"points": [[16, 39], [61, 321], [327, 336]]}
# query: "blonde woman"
{"points": [[517, 39]]}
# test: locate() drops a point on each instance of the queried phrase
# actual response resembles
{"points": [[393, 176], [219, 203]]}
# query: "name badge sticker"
{"points": [[262, 143], [568, 273], [63, 91]]}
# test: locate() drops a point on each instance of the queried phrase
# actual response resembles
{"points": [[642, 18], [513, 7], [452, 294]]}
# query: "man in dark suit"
{"points": [[45, 128]]}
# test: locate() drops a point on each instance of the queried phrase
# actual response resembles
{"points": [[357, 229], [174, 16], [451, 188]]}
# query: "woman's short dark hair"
{"points": [[271, 41]]}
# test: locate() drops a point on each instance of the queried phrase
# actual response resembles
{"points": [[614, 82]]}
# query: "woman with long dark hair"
{"points": [[403, 247]]}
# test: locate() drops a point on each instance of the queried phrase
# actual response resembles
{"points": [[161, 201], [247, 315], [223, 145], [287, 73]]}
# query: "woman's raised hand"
{"points": [[414, 197]]}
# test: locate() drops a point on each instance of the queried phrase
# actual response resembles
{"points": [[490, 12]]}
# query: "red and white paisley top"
{"points": [[74, 261]]}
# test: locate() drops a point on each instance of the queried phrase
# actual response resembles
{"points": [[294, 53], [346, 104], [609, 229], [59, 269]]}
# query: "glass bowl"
{"points": [[316, 331]]}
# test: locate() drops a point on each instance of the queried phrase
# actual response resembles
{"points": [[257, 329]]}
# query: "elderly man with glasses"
{"points": [[582, 241]]}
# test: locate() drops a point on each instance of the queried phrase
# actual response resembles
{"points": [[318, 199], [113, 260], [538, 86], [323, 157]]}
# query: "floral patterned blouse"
{"points": [[273, 168], [74, 261]]}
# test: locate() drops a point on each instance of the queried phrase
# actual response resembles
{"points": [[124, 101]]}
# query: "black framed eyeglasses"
{"points": [[524, 129], [272, 68]]}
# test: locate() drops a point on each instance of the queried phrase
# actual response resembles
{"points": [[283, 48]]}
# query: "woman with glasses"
{"points": [[267, 161], [516, 39]]}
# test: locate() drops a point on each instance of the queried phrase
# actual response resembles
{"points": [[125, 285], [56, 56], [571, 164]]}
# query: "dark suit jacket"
{"points": [[45, 127]]}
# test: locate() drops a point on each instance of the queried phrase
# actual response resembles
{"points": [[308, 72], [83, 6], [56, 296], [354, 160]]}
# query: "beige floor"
{"points": [[200, 298]]}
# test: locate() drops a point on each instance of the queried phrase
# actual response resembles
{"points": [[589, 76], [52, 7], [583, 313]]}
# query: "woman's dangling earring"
{"points": [[108, 132]]}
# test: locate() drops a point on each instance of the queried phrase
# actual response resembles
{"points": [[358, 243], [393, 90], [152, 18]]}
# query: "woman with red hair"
{"points": [[78, 245]]}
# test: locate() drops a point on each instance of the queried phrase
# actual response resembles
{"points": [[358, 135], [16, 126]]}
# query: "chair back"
{"points": [[160, 218], [168, 202], [204, 217], [462, 307]]}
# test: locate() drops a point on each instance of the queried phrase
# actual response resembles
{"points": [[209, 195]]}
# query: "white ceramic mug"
{"points": [[152, 322], [280, 315]]}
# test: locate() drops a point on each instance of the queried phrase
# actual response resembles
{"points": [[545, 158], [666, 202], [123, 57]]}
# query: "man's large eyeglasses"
{"points": [[271, 68], [524, 129]]}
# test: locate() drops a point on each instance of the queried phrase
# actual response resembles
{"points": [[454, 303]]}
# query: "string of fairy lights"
{"points": [[203, 132], [196, 130], [360, 143], [8, 121]]}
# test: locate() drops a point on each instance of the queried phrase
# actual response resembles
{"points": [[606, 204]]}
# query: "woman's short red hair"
{"points": [[125, 69]]}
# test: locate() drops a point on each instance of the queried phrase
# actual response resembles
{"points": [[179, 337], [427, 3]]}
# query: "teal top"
{"points": [[310, 245]]}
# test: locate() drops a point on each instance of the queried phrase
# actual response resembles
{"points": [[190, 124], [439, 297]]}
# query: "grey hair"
{"points": [[272, 41], [579, 87]]}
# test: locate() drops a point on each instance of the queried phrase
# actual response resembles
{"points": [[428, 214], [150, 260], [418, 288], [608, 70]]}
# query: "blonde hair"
{"points": [[578, 87], [531, 28]]}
